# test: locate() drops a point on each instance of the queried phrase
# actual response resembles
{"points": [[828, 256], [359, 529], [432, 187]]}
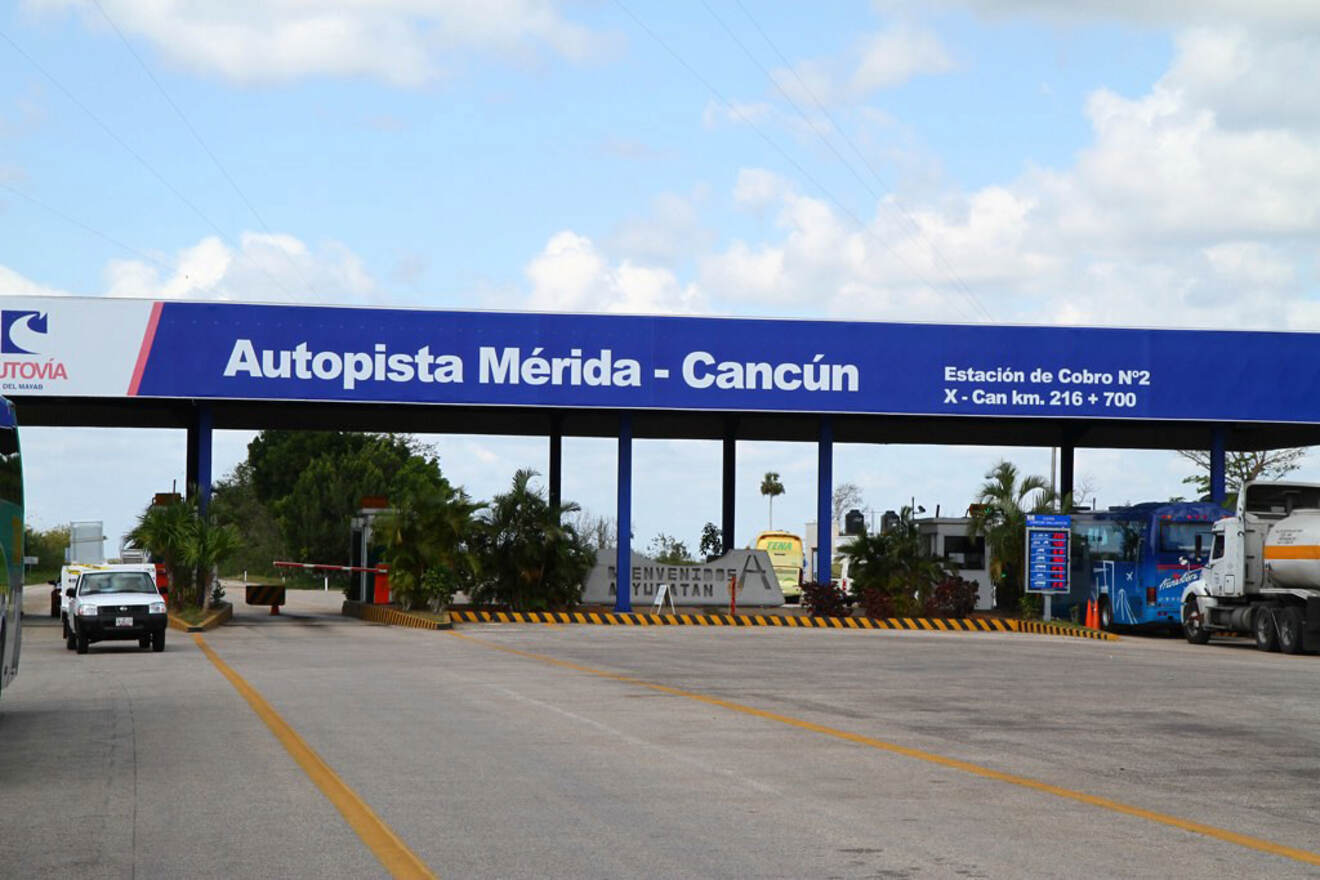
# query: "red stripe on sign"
{"points": [[145, 351]]}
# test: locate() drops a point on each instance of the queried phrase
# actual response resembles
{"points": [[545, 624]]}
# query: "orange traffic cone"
{"points": [[1092, 615]]}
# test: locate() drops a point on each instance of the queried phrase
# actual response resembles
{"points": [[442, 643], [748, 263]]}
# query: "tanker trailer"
{"points": [[1263, 576]]}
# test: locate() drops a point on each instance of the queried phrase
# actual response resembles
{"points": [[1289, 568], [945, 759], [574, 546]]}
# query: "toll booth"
{"points": [[365, 553]]}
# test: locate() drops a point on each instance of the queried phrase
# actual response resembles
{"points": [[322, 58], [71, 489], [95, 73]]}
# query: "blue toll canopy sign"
{"points": [[102, 347], [1049, 538]]}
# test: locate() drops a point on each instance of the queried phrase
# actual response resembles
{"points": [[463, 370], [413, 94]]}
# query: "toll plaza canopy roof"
{"points": [[117, 362]]}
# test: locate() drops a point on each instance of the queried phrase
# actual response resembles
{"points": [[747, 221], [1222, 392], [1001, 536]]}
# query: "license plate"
{"points": [[123, 621]]}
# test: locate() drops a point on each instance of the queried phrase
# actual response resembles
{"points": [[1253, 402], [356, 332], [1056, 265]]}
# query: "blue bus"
{"points": [[11, 545], [1132, 560]]}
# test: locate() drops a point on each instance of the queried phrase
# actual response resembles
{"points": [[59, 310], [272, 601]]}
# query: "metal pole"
{"points": [[556, 460], [623, 560], [199, 455]]}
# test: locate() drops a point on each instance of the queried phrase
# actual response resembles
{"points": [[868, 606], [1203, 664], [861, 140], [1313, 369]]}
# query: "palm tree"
{"points": [[1000, 514], [430, 531], [530, 557], [771, 486], [162, 530], [206, 546]]}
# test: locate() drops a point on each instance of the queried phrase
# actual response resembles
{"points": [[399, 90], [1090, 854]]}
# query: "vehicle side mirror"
{"points": [[53, 583], [69, 592]]}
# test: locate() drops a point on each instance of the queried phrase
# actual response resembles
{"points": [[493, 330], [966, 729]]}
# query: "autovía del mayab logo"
{"points": [[24, 333], [21, 332]]}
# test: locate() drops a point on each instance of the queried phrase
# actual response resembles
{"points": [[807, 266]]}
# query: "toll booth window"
{"points": [[965, 551], [1218, 549]]}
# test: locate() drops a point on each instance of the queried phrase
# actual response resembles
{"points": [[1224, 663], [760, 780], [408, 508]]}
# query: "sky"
{"points": [[974, 161]]}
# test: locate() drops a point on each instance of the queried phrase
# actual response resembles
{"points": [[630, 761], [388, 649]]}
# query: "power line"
{"points": [[141, 161], [773, 144], [193, 131], [912, 224], [83, 226]]}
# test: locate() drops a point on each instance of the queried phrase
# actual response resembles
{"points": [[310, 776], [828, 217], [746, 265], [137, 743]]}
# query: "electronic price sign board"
{"points": [[1049, 538]]}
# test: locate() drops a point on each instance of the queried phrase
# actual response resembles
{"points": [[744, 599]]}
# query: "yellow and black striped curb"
{"points": [[1053, 629], [211, 621], [393, 616], [930, 624]]}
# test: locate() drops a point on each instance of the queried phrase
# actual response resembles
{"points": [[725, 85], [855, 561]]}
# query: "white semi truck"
{"points": [[1263, 576]]}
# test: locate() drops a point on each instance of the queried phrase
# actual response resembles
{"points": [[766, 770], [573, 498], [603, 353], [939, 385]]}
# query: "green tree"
{"points": [[313, 517], [206, 546], [235, 502], [163, 531], [1000, 514], [712, 541], [1241, 468], [48, 545], [529, 558], [772, 488], [669, 550], [428, 545], [892, 570]]}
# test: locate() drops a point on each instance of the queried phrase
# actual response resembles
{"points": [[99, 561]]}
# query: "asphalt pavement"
{"points": [[510, 751]]}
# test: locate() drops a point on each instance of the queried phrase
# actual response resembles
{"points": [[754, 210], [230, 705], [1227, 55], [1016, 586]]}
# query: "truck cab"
{"points": [[1263, 575]]}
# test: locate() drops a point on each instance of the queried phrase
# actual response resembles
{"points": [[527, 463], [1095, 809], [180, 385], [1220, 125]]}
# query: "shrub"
{"points": [[952, 597], [876, 602], [826, 600]]}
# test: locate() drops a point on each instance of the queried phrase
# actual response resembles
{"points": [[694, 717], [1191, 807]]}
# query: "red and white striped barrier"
{"points": [[319, 567]]}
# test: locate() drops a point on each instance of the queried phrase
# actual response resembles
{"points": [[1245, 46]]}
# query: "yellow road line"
{"points": [[393, 853], [1244, 840]]}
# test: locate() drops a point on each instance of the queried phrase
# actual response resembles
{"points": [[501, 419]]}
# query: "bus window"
{"points": [[1182, 537]]}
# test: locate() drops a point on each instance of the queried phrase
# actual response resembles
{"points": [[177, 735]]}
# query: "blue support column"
{"points": [[556, 461], [623, 562], [1218, 440], [199, 455], [824, 499], [730, 485]]}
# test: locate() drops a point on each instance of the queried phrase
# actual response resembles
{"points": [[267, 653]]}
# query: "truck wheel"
{"points": [[1290, 629], [55, 604], [158, 641], [81, 641], [144, 642], [1193, 624], [1106, 615], [1267, 634]]}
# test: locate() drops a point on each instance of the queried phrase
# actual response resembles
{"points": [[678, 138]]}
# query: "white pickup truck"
{"points": [[116, 604], [70, 573]]}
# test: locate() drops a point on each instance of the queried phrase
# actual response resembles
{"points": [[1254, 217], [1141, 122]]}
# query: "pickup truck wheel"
{"points": [[1267, 633], [1193, 624], [55, 604], [1290, 629], [158, 641], [81, 642], [144, 642]]}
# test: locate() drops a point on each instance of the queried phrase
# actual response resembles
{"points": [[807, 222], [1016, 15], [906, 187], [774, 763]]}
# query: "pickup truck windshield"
{"points": [[115, 582]]}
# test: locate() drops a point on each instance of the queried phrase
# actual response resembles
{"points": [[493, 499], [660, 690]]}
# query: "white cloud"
{"points": [[571, 274], [262, 268], [670, 232], [405, 42], [1281, 15], [895, 55], [14, 284]]}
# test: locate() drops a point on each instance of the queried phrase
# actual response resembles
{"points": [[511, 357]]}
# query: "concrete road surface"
{"points": [[512, 751]]}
